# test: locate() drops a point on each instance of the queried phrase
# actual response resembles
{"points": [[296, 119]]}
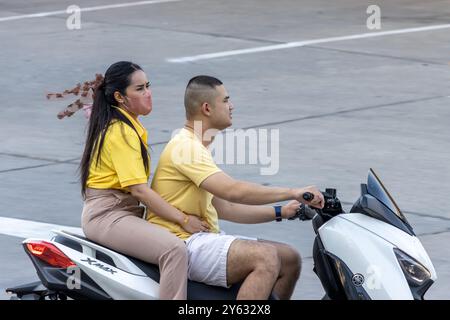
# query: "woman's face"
{"points": [[138, 96]]}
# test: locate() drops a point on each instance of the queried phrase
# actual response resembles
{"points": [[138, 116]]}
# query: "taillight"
{"points": [[49, 253]]}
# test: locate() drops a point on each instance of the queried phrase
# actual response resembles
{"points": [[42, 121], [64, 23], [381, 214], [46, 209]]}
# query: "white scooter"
{"points": [[369, 253]]}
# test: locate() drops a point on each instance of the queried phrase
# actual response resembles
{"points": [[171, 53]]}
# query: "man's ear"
{"points": [[118, 97], [205, 108]]}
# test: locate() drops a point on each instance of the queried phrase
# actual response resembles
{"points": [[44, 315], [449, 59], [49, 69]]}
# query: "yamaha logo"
{"points": [[358, 279]]}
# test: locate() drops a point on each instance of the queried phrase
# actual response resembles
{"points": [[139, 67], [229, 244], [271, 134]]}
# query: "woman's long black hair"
{"points": [[117, 78]]}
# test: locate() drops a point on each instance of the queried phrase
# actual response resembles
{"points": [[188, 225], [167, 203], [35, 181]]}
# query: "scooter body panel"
{"points": [[368, 255], [118, 284], [134, 279], [403, 241]]}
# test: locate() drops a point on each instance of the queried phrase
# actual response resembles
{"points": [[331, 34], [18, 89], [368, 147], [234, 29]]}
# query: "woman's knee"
{"points": [[177, 250]]}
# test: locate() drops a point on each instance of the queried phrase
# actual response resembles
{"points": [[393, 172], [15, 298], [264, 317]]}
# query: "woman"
{"points": [[115, 168]]}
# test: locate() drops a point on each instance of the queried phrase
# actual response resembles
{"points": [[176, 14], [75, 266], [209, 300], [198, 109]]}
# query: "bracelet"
{"points": [[278, 213], [186, 219]]}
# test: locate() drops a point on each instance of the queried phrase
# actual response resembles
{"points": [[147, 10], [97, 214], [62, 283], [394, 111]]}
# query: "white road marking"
{"points": [[304, 43], [96, 8], [30, 229]]}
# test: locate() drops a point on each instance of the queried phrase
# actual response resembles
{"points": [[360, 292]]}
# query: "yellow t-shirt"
{"points": [[184, 164], [120, 163]]}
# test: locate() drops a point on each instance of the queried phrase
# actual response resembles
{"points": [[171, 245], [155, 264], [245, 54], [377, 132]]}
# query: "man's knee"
{"points": [[294, 260], [246, 257], [268, 259]]}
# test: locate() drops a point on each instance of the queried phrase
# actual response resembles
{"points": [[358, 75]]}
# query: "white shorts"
{"points": [[207, 254]]}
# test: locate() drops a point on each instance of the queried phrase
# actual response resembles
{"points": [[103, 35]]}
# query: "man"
{"points": [[188, 178]]}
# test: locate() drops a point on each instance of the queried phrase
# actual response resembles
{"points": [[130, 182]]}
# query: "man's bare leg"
{"points": [[255, 263], [290, 269]]}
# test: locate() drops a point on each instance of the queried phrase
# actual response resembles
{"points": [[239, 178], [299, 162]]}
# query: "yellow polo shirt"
{"points": [[184, 164], [120, 163]]}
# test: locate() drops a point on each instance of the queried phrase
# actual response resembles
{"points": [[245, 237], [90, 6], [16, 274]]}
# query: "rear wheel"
{"points": [[39, 296], [29, 296]]}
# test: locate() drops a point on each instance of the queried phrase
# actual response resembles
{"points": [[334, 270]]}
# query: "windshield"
{"points": [[376, 189]]}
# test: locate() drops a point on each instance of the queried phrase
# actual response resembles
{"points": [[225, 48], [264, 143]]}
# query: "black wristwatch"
{"points": [[278, 213]]}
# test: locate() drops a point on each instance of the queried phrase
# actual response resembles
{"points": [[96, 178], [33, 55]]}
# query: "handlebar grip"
{"points": [[308, 196]]}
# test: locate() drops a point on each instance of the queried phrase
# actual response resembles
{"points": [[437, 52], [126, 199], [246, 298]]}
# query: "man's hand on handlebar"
{"points": [[304, 196]]}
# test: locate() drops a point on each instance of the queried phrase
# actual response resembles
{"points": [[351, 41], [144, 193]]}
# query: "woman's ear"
{"points": [[118, 97]]}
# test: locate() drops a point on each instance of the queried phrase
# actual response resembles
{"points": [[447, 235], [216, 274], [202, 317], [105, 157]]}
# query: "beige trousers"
{"points": [[114, 219]]}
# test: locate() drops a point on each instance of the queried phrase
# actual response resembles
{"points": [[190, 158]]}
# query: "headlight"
{"points": [[415, 273]]}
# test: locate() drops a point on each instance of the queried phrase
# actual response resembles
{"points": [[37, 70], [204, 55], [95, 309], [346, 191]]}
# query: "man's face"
{"points": [[221, 111]]}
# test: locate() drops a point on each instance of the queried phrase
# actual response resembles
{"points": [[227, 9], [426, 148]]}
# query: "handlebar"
{"points": [[332, 206]]}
